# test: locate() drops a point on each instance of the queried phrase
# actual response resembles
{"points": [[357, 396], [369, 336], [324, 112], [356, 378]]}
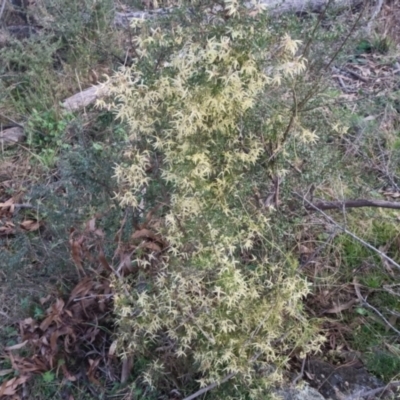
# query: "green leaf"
{"points": [[48, 377]]}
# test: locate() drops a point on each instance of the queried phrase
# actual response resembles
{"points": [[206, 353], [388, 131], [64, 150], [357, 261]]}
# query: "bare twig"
{"points": [[389, 288], [354, 75], [301, 374], [312, 257], [366, 304], [397, 314], [345, 230], [209, 387], [376, 311], [340, 205], [8, 118], [4, 314]]}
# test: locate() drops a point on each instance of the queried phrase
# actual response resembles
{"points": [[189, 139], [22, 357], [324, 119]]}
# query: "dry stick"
{"points": [[301, 374], [343, 229], [366, 304], [316, 26], [9, 119], [318, 250], [209, 387], [330, 205]]}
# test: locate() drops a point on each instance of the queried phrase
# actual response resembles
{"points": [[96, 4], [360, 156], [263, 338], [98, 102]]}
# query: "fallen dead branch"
{"points": [[275, 7], [345, 230], [367, 394], [89, 96], [340, 205]]}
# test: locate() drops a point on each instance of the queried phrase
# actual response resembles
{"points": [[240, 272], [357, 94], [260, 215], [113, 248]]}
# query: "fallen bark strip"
{"points": [[340, 205]]}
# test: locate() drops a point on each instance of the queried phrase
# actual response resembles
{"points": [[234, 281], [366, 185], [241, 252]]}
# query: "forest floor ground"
{"points": [[59, 221]]}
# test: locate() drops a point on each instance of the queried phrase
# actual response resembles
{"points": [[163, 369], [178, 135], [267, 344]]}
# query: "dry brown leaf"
{"points": [[385, 262], [310, 376], [103, 261], [91, 225], [92, 370], [77, 251], [145, 234], [393, 322], [67, 374], [304, 249], [125, 265], [16, 346], [30, 225], [25, 366], [336, 309], [55, 313], [393, 195], [113, 348], [7, 229], [9, 388], [46, 322], [8, 204], [53, 341], [5, 372], [126, 369], [44, 300], [357, 290], [81, 289], [151, 246]]}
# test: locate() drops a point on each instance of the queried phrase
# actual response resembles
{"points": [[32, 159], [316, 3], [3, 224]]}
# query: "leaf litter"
{"points": [[74, 337]]}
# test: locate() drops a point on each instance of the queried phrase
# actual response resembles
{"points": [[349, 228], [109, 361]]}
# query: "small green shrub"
{"points": [[384, 365], [208, 106]]}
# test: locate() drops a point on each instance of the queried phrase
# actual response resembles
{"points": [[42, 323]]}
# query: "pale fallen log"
{"points": [[90, 95], [11, 136], [342, 205], [81, 99], [274, 6]]}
